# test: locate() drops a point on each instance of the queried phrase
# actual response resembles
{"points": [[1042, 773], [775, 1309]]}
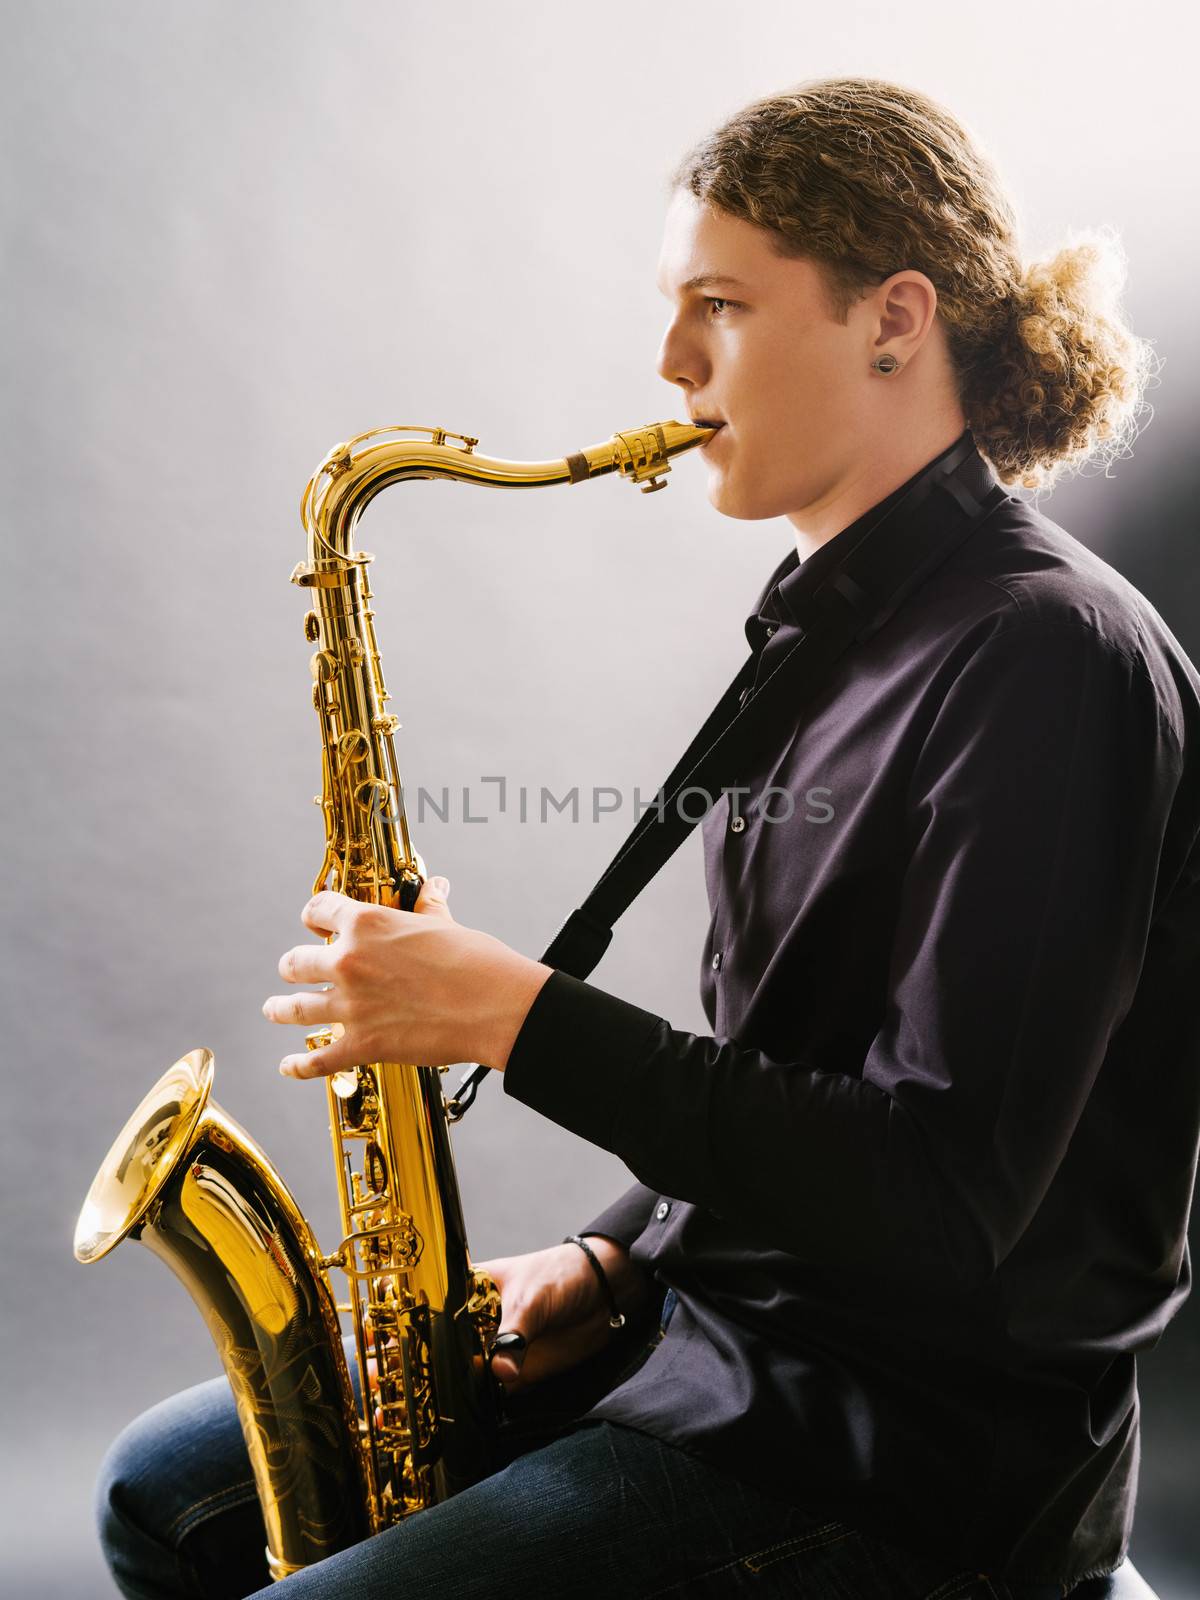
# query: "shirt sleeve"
{"points": [[626, 1218], [1037, 808]]}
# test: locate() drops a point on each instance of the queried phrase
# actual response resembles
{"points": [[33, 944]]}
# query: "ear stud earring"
{"points": [[885, 363]]}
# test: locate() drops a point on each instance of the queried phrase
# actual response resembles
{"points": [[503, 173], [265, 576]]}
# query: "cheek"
{"points": [[805, 386]]}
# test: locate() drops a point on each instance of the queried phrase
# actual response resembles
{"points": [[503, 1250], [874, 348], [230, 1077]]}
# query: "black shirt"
{"points": [[924, 1194]]}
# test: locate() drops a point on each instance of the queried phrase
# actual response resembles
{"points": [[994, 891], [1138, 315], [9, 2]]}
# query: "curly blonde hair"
{"points": [[866, 178]]}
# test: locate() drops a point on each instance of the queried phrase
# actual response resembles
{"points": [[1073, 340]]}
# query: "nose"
{"points": [[679, 359]]}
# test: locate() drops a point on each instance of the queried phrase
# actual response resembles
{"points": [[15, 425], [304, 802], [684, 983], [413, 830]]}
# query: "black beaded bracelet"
{"points": [[616, 1320]]}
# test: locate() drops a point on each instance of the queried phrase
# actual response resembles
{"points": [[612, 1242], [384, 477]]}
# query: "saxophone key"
{"points": [[357, 1090], [376, 1169]]}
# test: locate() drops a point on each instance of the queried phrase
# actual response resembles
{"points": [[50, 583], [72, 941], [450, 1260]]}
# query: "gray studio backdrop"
{"points": [[234, 234]]}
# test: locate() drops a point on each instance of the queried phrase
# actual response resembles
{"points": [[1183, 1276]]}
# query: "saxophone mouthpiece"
{"points": [[641, 454]]}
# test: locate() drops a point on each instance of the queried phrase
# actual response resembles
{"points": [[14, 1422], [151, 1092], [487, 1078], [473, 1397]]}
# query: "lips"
{"points": [[708, 422]]}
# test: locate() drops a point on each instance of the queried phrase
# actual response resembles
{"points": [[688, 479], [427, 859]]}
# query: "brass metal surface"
{"points": [[186, 1181]]}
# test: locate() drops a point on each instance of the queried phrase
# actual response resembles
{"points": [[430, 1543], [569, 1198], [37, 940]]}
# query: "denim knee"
{"points": [[137, 1552], [174, 1482]]}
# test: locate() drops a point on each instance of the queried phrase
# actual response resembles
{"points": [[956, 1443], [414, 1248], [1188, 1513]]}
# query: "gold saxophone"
{"points": [[189, 1183]]}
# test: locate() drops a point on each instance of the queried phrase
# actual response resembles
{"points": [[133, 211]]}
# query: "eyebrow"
{"points": [[710, 280]]}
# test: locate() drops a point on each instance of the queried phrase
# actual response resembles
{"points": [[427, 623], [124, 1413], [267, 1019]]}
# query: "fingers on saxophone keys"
{"points": [[318, 1006], [306, 963], [329, 912], [506, 1355], [326, 1054]]}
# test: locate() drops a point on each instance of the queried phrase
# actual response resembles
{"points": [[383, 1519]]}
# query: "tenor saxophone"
{"points": [[335, 1461]]}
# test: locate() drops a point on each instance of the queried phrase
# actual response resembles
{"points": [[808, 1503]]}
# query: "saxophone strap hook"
{"points": [[463, 1097]]}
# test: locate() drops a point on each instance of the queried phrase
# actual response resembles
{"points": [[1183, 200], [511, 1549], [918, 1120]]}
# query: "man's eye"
{"points": [[715, 300]]}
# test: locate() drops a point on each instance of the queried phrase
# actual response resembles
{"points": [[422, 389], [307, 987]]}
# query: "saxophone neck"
{"points": [[352, 474]]}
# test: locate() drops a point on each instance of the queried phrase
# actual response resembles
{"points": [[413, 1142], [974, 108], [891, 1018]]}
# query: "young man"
{"points": [[904, 1220]]}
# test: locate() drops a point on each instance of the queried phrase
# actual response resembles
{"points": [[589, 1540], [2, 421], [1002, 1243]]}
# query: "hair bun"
{"points": [[1062, 379]]}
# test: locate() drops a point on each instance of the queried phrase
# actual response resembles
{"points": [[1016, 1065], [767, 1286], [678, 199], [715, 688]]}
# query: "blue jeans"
{"points": [[599, 1510]]}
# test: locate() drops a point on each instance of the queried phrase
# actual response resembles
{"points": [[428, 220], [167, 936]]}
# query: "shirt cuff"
{"points": [[577, 1055], [626, 1219]]}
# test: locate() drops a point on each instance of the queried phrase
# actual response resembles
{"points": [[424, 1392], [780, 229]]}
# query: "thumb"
{"points": [[432, 899], [521, 1320], [506, 1353]]}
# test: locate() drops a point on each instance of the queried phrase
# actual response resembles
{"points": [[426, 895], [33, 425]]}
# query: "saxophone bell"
{"points": [[186, 1181]]}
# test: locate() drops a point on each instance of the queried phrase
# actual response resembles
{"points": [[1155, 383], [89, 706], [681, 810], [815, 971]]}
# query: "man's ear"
{"points": [[905, 306]]}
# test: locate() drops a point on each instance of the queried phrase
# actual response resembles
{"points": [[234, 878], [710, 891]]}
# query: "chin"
{"points": [[731, 501]]}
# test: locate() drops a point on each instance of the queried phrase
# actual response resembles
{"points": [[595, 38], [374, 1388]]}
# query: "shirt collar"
{"points": [[781, 598]]}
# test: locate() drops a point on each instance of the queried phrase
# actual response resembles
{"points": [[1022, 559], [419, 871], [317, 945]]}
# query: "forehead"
{"points": [[706, 248]]}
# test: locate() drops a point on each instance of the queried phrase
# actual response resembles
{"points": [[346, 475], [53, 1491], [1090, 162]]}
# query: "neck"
{"points": [[870, 479]]}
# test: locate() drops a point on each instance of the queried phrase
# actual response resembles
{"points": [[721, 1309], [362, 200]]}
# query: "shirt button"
{"points": [[737, 825], [716, 961], [662, 1210]]}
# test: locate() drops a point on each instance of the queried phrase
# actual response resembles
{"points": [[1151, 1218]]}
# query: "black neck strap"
{"points": [[873, 579]]}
